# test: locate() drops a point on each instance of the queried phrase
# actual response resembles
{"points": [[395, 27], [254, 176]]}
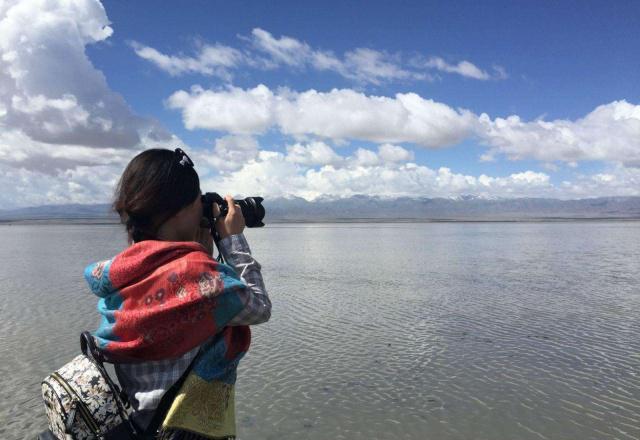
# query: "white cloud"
{"points": [[233, 110], [265, 51], [394, 153], [464, 68], [615, 180], [229, 153], [365, 158], [368, 65], [500, 72], [284, 50], [56, 110], [314, 153], [273, 174], [346, 114], [18, 150], [364, 65], [271, 170], [360, 64], [36, 173], [338, 114], [64, 134], [611, 132], [215, 60], [66, 137], [319, 153], [82, 184], [49, 88], [315, 169]]}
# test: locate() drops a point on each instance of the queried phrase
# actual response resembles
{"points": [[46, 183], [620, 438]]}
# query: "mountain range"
{"points": [[363, 208]]}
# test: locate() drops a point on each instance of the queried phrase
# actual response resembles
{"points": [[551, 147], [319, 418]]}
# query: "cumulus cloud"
{"points": [[314, 153], [274, 174], [611, 132], [234, 110], [229, 153], [49, 88], [338, 114], [387, 154], [20, 151], [364, 172], [394, 153], [82, 184], [44, 173], [64, 134], [315, 169], [617, 180], [365, 158], [346, 114], [56, 109]]}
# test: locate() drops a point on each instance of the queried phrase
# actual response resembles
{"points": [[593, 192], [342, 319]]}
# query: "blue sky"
{"points": [[498, 99]]}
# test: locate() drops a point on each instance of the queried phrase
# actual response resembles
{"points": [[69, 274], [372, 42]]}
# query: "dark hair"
{"points": [[155, 185]]}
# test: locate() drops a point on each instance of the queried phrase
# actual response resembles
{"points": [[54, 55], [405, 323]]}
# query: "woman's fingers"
{"points": [[233, 221], [231, 204], [216, 209]]}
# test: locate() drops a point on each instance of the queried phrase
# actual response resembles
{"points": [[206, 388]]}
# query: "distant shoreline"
{"points": [[371, 209], [111, 221]]}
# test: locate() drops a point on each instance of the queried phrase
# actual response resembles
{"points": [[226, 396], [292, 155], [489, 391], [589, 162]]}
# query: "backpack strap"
{"points": [[90, 350], [167, 400]]}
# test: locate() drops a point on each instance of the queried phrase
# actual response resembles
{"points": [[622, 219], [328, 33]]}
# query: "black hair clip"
{"points": [[182, 157]]}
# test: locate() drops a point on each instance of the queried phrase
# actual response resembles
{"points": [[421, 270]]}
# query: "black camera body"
{"points": [[251, 207]]}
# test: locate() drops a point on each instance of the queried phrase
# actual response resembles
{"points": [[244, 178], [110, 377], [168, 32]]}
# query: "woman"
{"points": [[168, 306]]}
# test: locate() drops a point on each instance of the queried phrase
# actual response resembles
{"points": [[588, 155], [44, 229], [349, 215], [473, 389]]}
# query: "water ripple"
{"points": [[444, 331]]}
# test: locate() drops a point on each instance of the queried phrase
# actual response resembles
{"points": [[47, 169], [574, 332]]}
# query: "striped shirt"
{"points": [[145, 383]]}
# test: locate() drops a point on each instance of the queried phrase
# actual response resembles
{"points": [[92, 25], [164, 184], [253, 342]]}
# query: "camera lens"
{"points": [[251, 207], [253, 211]]}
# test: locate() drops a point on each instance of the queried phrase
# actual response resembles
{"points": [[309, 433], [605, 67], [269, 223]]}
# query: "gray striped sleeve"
{"points": [[257, 306]]}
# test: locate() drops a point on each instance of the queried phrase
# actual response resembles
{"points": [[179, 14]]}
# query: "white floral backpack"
{"points": [[82, 402]]}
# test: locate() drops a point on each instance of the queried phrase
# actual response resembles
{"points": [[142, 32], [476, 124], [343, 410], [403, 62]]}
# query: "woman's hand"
{"points": [[233, 222]]}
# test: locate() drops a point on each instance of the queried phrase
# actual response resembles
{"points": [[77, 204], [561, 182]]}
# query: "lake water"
{"points": [[387, 331]]}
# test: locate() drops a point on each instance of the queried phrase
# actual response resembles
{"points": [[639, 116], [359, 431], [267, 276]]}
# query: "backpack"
{"points": [[82, 402]]}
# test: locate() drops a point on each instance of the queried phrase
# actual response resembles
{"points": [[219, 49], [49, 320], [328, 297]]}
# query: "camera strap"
{"points": [[216, 240]]}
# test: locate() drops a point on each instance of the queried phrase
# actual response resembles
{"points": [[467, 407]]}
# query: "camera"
{"points": [[251, 207]]}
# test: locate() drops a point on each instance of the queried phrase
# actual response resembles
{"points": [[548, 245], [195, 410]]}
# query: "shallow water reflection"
{"points": [[444, 331]]}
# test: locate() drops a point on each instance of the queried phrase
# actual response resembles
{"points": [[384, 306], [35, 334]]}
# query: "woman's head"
{"points": [[159, 189]]}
